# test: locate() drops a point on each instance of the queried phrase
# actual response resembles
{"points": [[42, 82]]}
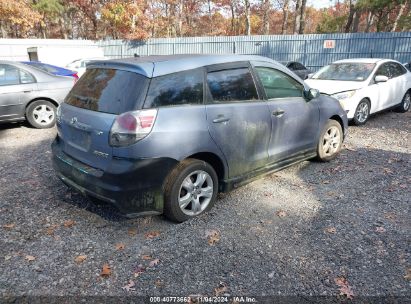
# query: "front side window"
{"points": [[279, 85], [175, 89], [383, 70], [9, 75], [396, 69], [234, 85], [345, 71]]}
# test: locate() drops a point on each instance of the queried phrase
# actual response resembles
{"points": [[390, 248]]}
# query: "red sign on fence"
{"points": [[329, 44]]}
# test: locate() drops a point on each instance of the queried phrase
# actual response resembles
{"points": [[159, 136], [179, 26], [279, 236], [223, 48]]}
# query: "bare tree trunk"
{"points": [[297, 17], [2, 30], [302, 20], [370, 20], [400, 13], [266, 15], [232, 7], [247, 17], [357, 19], [285, 17], [350, 18]]}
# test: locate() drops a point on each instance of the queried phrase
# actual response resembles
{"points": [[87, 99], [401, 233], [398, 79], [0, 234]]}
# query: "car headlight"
{"points": [[344, 95], [58, 114]]}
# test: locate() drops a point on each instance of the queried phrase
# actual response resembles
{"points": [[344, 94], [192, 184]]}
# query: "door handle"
{"points": [[278, 113], [27, 91], [220, 118]]}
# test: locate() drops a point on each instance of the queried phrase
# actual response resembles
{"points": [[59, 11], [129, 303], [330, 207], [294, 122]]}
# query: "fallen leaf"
{"points": [[326, 182], [106, 271], [281, 213], [345, 289], [132, 231], [151, 235], [159, 283], [213, 237], [146, 257], [80, 259], [350, 149], [139, 270], [120, 246], [9, 226], [154, 262], [408, 275], [7, 257], [390, 216], [30, 258], [380, 229], [129, 286], [388, 171], [221, 289], [69, 223], [331, 230], [50, 230]]}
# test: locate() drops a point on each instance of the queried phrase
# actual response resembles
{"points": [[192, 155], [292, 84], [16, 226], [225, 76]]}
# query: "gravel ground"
{"points": [[312, 229]]}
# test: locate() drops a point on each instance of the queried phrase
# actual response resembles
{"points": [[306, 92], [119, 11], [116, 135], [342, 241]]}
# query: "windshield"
{"points": [[107, 90], [347, 71]]}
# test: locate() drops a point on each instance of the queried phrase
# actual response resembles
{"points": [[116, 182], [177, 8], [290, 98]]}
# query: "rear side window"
{"points": [[108, 90], [232, 85], [175, 89], [26, 77], [279, 85]]}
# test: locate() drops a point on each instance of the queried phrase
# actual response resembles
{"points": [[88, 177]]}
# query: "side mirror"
{"points": [[310, 75], [312, 93], [381, 78]]}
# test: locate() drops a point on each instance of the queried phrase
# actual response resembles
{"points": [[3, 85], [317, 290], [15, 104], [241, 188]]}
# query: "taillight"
{"points": [[75, 75], [130, 127]]}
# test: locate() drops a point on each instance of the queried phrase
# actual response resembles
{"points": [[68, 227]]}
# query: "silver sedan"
{"points": [[29, 93]]}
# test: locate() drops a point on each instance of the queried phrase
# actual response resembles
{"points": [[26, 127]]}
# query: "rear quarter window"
{"points": [[182, 88], [108, 90]]}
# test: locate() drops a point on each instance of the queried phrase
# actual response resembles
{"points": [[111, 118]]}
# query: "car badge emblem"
{"points": [[73, 120]]}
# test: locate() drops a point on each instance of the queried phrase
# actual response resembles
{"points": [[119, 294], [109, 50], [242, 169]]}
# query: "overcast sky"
{"points": [[320, 3]]}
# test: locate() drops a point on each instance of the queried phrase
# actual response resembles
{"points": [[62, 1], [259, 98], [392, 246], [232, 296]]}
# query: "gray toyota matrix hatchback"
{"points": [[166, 133]]}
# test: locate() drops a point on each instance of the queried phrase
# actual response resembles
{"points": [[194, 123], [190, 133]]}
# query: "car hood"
{"points": [[334, 86]]}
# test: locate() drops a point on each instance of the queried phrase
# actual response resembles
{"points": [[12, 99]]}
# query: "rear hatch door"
{"points": [[89, 111]]}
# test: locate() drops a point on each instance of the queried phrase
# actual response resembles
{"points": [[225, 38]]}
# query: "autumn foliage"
{"points": [[142, 19]]}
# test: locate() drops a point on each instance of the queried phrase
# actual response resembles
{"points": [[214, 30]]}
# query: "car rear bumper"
{"points": [[134, 186]]}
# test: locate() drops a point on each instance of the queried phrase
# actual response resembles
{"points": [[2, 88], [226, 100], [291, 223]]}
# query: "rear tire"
{"points": [[362, 112], [41, 114], [330, 142], [404, 106], [190, 190]]}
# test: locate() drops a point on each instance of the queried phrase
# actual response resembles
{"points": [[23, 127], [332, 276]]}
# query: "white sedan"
{"points": [[365, 86]]}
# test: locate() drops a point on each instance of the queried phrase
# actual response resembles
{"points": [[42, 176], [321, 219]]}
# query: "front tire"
{"points": [[362, 112], [404, 106], [190, 190], [41, 114], [330, 142]]}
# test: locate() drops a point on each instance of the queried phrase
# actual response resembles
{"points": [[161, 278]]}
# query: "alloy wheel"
{"points": [[331, 141], [363, 112], [195, 193]]}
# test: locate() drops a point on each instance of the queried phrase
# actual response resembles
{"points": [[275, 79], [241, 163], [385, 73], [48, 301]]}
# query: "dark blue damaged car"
{"points": [[165, 134]]}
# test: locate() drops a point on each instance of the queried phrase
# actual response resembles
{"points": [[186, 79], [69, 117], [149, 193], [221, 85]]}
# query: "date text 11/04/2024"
{"points": [[202, 299]]}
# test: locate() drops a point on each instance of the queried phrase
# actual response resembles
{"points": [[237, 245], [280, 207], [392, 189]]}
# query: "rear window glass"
{"points": [[107, 90], [176, 89]]}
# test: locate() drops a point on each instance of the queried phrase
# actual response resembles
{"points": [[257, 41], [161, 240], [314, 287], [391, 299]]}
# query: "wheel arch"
{"points": [[339, 120], [214, 160]]}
